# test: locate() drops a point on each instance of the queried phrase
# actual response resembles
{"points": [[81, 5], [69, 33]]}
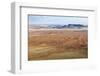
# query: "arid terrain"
{"points": [[57, 44]]}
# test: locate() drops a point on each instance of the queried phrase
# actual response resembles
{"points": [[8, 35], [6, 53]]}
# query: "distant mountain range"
{"points": [[58, 26]]}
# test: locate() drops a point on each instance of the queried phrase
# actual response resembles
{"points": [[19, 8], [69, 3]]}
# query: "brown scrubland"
{"points": [[57, 44]]}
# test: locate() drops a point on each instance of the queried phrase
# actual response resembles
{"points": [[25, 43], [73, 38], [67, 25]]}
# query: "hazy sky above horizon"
{"points": [[57, 20]]}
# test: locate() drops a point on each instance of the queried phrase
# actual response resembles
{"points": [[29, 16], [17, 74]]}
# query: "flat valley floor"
{"points": [[57, 44]]}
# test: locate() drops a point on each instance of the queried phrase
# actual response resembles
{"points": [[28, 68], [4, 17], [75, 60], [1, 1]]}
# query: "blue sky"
{"points": [[57, 20]]}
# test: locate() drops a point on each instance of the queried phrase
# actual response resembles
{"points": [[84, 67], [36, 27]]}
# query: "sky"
{"points": [[57, 20]]}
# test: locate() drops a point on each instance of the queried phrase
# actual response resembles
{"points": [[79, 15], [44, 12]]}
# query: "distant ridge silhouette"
{"points": [[58, 26]]}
